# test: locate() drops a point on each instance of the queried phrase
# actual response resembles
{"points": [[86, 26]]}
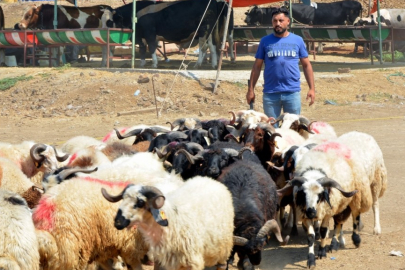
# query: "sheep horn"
{"points": [[159, 129], [240, 241], [134, 132], [328, 182], [178, 122], [35, 151], [305, 127], [286, 190], [298, 181], [159, 153], [271, 120], [310, 125], [272, 225], [174, 135], [231, 137], [304, 120], [194, 147], [171, 125], [231, 152], [62, 158], [210, 133], [233, 118], [242, 150], [189, 156], [279, 118], [149, 130], [65, 173], [112, 198], [155, 194]]}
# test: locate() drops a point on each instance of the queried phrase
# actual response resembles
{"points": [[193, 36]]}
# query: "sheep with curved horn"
{"points": [[32, 157], [180, 238], [343, 165]]}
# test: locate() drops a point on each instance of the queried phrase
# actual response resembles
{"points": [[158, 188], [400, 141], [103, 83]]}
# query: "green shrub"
{"points": [[7, 83]]}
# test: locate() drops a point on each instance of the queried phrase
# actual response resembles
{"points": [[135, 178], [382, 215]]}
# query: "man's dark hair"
{"points": [[279, 11]]}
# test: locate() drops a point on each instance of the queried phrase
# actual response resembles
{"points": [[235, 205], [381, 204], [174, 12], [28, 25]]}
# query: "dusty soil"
{"points": [[55, 104]]}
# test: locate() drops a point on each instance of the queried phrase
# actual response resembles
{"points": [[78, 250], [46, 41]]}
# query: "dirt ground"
{"points": [[59, 103], [55, 104]]}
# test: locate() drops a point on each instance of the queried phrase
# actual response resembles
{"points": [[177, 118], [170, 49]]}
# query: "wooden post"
{"points": [[379, 31], [223, 45], [134, 21]]}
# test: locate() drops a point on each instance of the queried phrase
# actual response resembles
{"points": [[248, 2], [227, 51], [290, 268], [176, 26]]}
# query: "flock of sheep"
{"points": [[191, 195]]}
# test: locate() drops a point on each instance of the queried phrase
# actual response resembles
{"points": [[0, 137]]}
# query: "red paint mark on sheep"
{"points": [[108, 136], [316, 125], [106, 183], [44, 213], [339, 149], [72, 158]]}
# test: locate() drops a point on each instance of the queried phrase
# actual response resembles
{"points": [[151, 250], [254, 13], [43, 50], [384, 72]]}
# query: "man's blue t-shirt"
{"points": [[281, 57]]}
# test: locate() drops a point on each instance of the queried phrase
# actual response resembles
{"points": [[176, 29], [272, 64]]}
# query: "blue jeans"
{"points": [[289, 102]]}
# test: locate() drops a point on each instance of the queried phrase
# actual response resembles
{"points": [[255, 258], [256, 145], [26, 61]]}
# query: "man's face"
{"points": [[280, 23]]}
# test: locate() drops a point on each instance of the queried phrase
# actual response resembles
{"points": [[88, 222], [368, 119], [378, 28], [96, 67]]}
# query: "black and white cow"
{"points": [[174, 22], [388, 17], [336, 13], [69, 17], [256, 16]]}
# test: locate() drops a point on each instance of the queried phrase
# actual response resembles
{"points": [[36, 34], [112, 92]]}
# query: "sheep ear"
{"points": [[326, 196], [160, 217]]}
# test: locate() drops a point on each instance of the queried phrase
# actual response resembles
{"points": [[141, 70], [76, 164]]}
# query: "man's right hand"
{"points": [[250, 96]]}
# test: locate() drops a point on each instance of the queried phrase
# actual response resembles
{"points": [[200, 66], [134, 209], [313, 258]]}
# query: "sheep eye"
{"points": [[139, 204]]}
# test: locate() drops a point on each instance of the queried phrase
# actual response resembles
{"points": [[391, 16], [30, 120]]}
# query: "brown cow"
{"points": [[68, 17]]}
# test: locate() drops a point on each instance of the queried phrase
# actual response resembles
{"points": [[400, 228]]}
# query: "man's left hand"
{"points": [[311, 96]]}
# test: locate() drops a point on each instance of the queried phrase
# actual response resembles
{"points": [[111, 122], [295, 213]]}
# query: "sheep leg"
{"points": [[323, 231], [334, 245], [311, 242], [376, 210], [356, 224], [294, 230], [281, 217], [316, 228]]}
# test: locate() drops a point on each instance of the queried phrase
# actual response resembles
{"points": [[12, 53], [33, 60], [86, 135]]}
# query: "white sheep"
{"points": [[77, 226], [77, 143], [94, 156], [369, 154], [189, 228], [325, 188], [19, 244], [13, 179], [32, 158]]}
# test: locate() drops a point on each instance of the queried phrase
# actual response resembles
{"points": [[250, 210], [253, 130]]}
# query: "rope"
{"points": [[399, 74], [182, 64]]}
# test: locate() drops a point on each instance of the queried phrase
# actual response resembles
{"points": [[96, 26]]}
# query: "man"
{"points": [[280, 52]]}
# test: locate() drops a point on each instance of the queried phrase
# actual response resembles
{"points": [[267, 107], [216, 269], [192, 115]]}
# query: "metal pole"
{"points": [[134, 21], [369, 7], [291, 15], [228, 15], [55, 14], [379, 31]]}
